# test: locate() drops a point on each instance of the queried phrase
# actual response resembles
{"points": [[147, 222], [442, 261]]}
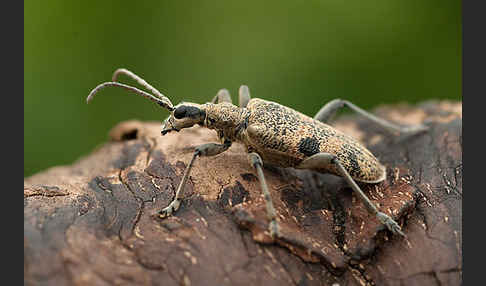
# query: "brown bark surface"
{"points": [[92, 223]]}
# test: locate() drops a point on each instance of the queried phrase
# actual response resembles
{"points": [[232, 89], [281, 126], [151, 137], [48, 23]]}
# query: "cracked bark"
{"points": [[91, 223]]}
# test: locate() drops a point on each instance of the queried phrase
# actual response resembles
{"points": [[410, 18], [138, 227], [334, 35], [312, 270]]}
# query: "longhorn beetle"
{"points": [[277, 135]]}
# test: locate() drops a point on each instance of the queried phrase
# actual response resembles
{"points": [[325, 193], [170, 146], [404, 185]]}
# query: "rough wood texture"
{"points": [[91, 223]]}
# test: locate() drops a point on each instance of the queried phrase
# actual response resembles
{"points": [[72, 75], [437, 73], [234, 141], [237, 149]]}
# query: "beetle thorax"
{"points": [[226, 118]]}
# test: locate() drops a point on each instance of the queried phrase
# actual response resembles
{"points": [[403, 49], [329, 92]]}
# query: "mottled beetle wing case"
{"points": [[285, 137]]}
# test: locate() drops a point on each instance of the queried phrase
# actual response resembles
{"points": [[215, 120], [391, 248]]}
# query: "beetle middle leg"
{"points": [[208, 149], [257, 163], [243, 96], [321, 160], [328, 110]]}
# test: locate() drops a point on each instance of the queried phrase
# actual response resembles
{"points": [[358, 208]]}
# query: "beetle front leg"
{"points": [[223, 95], [209, 149], [328, 110], [321, 160], [257, 163]]}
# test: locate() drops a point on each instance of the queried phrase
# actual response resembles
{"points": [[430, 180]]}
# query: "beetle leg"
{"points": [[321, 160], [257, 163], [243, 96], [328, 110], [209, 149], [223, 95]]}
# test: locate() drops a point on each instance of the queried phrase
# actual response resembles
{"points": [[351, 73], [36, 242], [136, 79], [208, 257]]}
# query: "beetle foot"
{"points": [[274, 229], [390, 223], [172, 207], [414, 129]]}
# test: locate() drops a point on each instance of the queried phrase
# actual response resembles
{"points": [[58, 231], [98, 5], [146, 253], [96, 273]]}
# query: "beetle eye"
{"points": [[188, 111], [180, 112]]}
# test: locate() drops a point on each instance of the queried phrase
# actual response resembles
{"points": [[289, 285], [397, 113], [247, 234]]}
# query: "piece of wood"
{"points": [[92, 223]]}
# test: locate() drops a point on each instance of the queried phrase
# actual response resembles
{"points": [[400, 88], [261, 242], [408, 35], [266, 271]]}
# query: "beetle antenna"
{"points": [[161, 100], [139, 80]]}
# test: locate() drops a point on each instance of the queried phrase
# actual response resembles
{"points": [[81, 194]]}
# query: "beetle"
{"points": [[277, 135]]}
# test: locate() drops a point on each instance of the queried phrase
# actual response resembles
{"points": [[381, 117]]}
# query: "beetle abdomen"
{"points": [[285, 137]]}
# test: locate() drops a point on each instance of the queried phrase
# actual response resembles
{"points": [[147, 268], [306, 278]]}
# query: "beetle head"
{"points": [[184, 115]]}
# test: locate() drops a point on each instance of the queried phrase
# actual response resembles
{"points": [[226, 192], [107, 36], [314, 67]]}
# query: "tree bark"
{"points": [[93, 223]]}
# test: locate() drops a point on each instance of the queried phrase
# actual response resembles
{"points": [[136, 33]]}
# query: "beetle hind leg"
{"points": [[330, 109], [321, 160]]}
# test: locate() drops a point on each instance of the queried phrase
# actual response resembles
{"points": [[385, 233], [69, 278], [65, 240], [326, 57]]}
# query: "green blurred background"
{"points": [[299, 53]]}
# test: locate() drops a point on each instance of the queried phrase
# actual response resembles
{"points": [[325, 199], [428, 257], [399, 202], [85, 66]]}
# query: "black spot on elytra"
{"points": [[309, 146]]}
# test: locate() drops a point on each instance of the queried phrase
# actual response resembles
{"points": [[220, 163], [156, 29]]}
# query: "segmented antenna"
{"points": [[160, 99]]}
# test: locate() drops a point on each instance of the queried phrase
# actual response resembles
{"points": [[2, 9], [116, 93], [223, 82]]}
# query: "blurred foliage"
{"points": [[299, 53]]}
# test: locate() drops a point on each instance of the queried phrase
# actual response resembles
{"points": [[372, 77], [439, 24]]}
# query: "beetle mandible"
{"points": [[277, 135]]}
